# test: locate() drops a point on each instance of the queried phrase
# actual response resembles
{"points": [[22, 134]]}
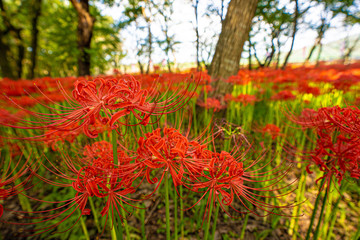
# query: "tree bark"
{"points": [[150, 39], [195, 6], [5, 65], [234, 33], [9, 69], [34, 40], [349, 51], [84, 31], [296, 16], [249, 59]]}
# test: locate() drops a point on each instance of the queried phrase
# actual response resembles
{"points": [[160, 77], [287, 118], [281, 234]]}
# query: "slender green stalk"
{"points": [[175, 215], [207, 226], [94, 212], [215, 222], [357, 234], [242, 234], [112, 229], [117, 162], [167, 208], [334, 210], [182, 230], [316, 234], [83, 226], [314, 211]]}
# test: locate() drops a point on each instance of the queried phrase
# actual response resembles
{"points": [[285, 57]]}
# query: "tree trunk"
{"points": [[250, 63], [9, 69], [5, 65], [350, 50], [296, 16], [195, 6], [150, 48], [34, 39], [319, 54], [150, 40], [234, 33], [85, 32], [141, 67], [21, 54]]}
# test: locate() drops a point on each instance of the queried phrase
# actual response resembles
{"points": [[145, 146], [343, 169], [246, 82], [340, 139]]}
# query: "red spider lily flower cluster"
{"points": [[269, 129], [222, 176], [337, 148], [95, 175], [242, 98], [212, 103], [283, 95], [226, 177], [107, 100]]}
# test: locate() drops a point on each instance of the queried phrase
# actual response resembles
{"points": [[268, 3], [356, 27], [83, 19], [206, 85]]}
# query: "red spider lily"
{"points": [[106, 101], [331, 119], [283, 95], [227, 180], [305, 88], [337, 145], [212, 103], [157, 151], [168, 150], [11, 183], [103, 150], [243, 98], [100, 179], [336, 159], [272, 130]]}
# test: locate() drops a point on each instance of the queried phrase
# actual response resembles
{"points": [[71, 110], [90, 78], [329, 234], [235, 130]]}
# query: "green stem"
{"points": [[314, 211], [206, 231], [167, 206], [182, 230], [83, 225], [215, 221], [175, 214], [112, 228], [357, 234], [316, 234], [117, 162], [242, 234], [94, 212]]}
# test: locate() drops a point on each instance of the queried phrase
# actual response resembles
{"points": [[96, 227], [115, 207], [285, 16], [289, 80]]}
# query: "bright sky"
{"points": [[183, 28]]}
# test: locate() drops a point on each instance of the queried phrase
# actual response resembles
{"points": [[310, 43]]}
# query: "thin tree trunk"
{"points": [[150, 42], [195, 6], [141, 67], [150, 48], [269, 58], [34, 40], [261, 65], [85, 32], [21, 55], [319, 54], [350, 50], [296, 16], [321, 32], [5, 65], [250, 63], [279, 53], [234, 33], [10, 69]]}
